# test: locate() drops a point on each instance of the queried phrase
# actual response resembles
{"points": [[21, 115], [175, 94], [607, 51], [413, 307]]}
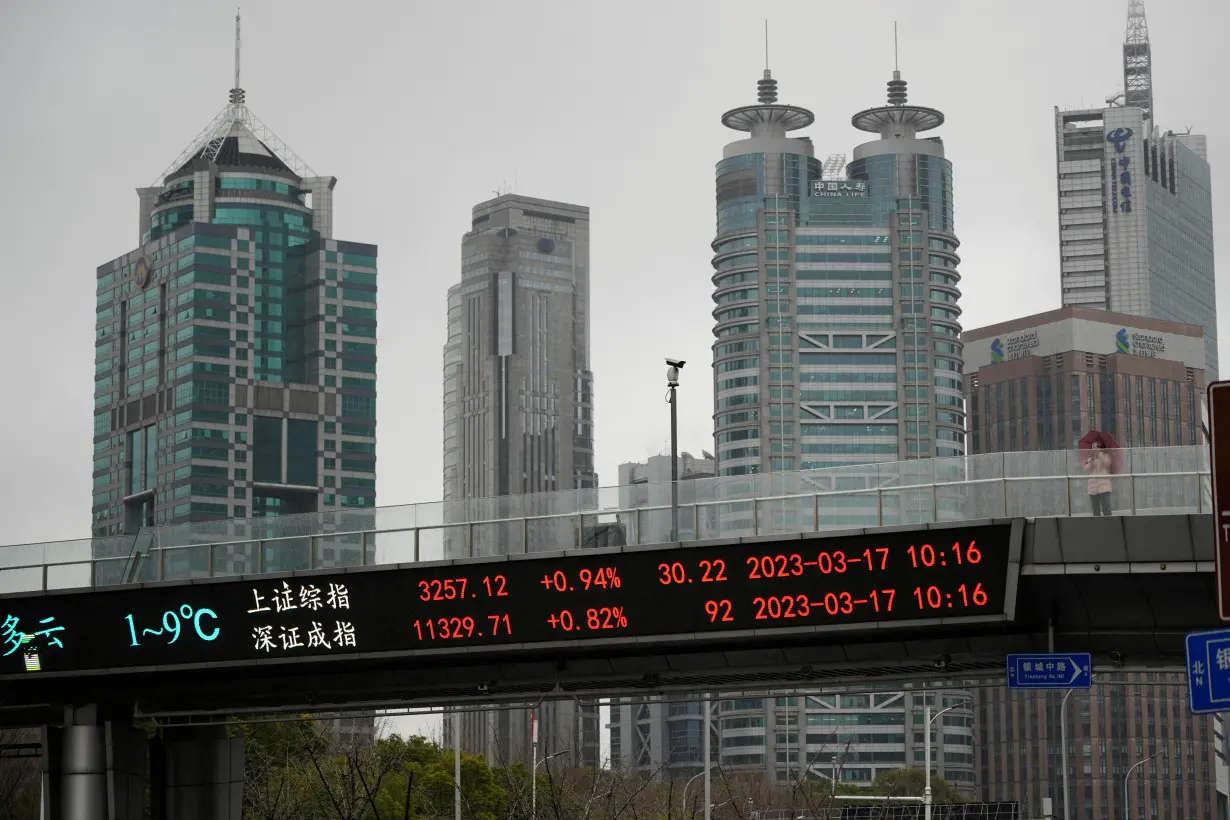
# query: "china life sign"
{"points": [[1120, 171], [843, 187]]}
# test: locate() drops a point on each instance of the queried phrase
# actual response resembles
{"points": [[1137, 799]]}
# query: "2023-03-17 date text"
{"points": [[823, 562], [889, 602]]}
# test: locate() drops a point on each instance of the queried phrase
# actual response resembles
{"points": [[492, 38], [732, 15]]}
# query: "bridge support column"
{"points": [[197, 774], [93, 768]]}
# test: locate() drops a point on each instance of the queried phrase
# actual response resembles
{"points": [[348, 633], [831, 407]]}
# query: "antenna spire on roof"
{"points": [[238, 121], [896, 86], [237, 94], [766, 86], [1138, 61], [896, 66]]}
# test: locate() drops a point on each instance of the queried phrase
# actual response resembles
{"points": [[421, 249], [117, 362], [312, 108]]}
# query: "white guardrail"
{"points": [[1036, 484]]}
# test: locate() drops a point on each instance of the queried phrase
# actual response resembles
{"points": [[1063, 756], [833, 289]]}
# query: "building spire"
{"points": [[1138, 61], [766, 87], [237, 94], [898, 119], [238, 121]]}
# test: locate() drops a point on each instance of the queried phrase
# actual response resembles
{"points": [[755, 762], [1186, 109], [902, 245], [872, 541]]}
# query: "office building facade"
{"points": [[646, 487], [235, 346], [837, 335], [1135, 206], [856, 736], [518, 390], [660, 736], [837, 343], [1041, 382], [1123, 720], [518, 419]]}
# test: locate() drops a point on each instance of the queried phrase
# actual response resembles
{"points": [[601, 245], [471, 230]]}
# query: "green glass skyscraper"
{"points": [[235, 350]]}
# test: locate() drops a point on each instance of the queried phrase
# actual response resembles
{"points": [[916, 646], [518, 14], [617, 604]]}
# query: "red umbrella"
{"points": [[1108, 442]]}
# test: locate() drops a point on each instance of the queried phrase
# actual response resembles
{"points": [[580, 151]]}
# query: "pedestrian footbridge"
{"points": [[451, 603]]}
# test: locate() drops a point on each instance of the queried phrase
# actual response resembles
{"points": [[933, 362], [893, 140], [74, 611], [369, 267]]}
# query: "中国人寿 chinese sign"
{"points": [[843, 187]]}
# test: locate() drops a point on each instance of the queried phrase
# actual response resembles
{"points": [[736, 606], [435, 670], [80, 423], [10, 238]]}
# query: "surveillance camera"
{"points": [[942, 662], [675, 363]]}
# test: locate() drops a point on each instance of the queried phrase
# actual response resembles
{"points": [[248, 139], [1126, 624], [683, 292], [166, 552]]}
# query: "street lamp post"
{"points": [[1127, 809], [457, 765], [1063, 749], [927, 752], [691, 780], [707, 753], [534, 782], [673, 366]]}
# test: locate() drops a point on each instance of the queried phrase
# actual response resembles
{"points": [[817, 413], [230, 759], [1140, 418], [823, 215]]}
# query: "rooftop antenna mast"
{"points": [[766, 45], [1138, 61], [236, 114], [896, 65], [236, 90]]}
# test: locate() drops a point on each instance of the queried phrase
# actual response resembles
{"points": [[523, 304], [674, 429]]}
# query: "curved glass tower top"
{"points": [[837, 333]]}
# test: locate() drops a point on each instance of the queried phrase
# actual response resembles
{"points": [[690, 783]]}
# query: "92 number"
{"points": [[718, 611]]}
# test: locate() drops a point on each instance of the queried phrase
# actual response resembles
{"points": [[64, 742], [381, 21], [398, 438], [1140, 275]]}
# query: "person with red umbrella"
{"points": [[1099, 460]]}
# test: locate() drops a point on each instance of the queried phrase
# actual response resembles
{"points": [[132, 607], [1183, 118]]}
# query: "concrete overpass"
{"points": [[1125, 588]]}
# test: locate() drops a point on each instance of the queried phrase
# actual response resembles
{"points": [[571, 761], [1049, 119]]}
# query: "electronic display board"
{"points": [[703, 593]]}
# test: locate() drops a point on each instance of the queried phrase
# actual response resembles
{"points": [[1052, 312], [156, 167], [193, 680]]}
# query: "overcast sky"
{"points": [[423, 109]]}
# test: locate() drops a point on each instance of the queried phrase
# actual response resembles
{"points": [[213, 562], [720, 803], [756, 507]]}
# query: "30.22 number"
{"points": [[674, 572]]}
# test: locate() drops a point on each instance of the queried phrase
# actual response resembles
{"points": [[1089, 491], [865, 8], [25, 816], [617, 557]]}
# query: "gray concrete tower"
{"points": [[518, 419]]}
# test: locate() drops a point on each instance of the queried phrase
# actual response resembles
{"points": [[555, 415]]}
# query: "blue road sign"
{"points": [[1056, 670], [1208, 671]]}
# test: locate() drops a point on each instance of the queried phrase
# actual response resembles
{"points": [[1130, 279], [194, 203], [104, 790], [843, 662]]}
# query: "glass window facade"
{"points": [[853, 282], [219, 314]]}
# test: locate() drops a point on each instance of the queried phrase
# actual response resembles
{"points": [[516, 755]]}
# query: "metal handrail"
{"points": [[637, 527], [605, 512]]}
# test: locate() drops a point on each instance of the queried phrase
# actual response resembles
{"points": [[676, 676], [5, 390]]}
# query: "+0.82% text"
{"points": [[590, 619], [438, 590], [838, 565]]}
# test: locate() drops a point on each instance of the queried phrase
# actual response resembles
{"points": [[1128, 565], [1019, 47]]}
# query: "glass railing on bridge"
{"points": [[1029, 484]]}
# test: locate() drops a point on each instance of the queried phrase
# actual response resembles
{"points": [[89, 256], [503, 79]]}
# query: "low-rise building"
{"points": [[1041, 382]]}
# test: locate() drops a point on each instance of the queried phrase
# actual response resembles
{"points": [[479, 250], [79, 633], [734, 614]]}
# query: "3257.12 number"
{"points": [[453, 589]]}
